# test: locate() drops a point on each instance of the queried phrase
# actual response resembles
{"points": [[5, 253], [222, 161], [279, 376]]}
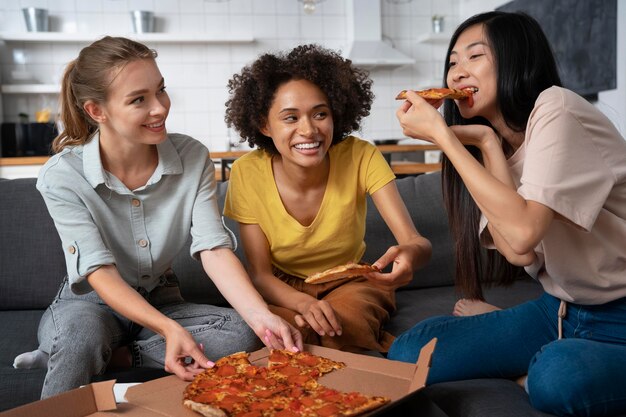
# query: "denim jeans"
{"points": [[79, 332], [582, 374]]}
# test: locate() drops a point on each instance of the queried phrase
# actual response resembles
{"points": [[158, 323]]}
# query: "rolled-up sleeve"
{"points": [[82, 242], [208, 230]]}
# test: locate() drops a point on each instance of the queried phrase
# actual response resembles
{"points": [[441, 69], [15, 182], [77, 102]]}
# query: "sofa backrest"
{"points": [[422, 197], [32, 264]]}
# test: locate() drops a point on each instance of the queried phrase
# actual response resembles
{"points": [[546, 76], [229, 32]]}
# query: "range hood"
{"points": [[366, 46]]}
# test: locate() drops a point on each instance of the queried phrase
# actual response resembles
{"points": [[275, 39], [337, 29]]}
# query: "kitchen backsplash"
{"points": [[196, 73]]}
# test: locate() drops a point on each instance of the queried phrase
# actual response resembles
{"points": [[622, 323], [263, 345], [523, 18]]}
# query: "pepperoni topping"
{"points": [[327, 410], [308, 360], [205, 397], [308, 401], [254, 413], [266, 393], [262, 405], [207, 383], [287, 413], [289, 370], [354, 399], [331, 395], [226, 370], [298, 379], [277, 356]]}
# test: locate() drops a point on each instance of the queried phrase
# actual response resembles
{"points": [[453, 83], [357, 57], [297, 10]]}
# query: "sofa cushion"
{"points": [[422, 196], [32, 260], [415, 306], [482, 398]]}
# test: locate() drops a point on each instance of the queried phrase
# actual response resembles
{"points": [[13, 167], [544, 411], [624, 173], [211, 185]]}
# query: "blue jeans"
{"points": [[582, 374], [80, 332]]}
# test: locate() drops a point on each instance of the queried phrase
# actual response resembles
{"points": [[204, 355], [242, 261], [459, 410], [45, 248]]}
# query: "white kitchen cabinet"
{"points": [[86, 38], [160, 37]]}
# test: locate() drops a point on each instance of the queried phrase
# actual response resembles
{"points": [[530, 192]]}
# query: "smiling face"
{"points": [[136, 106], [472, 65], [300, 123]]}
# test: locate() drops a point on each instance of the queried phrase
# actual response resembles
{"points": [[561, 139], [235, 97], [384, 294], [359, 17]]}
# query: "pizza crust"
{"points": [[438, 94], [205, 409], [349, 270], [372, 404]]}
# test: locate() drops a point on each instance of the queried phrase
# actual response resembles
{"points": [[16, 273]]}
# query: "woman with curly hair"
{"points": [[300, 198]]}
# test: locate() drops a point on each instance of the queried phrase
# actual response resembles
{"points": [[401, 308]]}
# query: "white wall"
{"points": [[196, 74], [612, 102]]}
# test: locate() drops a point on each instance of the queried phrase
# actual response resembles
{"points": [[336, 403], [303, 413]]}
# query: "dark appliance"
{"points": [[27, 139]]}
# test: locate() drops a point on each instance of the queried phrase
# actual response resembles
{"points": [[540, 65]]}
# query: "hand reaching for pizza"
{"points": [[320, 316], [180, 345], [275, 332]]}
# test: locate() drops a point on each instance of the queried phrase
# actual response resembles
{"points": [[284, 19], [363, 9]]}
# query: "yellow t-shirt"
{"points": [[336, 234]]}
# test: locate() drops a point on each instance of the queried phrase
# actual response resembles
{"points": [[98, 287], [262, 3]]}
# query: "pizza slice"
{"points": [[443, 93], [349, 270], [301, 363]]}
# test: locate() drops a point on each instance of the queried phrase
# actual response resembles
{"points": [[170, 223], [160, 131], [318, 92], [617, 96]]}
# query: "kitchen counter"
{"points": [[223, 159]]}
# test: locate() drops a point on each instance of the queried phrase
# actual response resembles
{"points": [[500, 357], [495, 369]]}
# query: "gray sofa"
{"points": [[32, 266]]}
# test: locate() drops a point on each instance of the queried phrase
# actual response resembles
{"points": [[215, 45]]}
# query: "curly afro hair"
{"points": [[347, 88]]}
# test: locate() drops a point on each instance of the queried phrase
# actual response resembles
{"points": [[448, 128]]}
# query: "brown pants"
{"points": [[361, 308]]}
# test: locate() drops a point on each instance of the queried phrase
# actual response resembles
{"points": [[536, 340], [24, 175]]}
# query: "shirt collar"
{"points": [[169, 162], [169, 159]]}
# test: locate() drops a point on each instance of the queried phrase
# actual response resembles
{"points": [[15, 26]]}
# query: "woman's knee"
{"points": [[557, 382], [407, 346]]}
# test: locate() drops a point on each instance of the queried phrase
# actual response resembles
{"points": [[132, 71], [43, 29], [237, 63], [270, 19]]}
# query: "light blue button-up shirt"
{"points": [[102, 222]]}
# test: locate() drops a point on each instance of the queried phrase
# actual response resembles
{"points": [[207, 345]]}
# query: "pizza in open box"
{"points": [[287, 387]]}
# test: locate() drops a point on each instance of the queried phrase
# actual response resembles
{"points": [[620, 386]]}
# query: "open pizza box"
{"points": [[163, 397]]}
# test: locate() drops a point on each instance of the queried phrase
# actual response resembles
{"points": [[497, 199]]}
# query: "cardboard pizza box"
{"points": [[163, 396]]}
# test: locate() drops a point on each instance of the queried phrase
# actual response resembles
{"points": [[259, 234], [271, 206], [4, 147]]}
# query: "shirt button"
{"points": [[143, 243], [145, 277], [136, 203], [71, 250]]}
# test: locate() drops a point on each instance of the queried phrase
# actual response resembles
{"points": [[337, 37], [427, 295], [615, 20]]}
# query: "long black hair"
{"points": [[525, 66]]}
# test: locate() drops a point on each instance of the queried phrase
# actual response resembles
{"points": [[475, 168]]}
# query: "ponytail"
{"points": [[77, 125], [88, 78]]}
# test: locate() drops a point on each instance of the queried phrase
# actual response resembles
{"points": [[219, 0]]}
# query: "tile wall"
{"points": [[196, 74]]}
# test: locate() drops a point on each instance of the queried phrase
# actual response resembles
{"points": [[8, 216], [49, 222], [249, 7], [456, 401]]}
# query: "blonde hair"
{"points": [[88, 78]]}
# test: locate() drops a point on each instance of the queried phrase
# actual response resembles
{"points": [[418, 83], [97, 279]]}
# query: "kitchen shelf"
{"points": [[29, 89], [81, 37], [435, 38]]}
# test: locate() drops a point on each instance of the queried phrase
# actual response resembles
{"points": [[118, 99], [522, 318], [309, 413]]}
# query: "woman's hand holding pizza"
{"points": [[402, 259], [320, 316], [419, 119]]}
